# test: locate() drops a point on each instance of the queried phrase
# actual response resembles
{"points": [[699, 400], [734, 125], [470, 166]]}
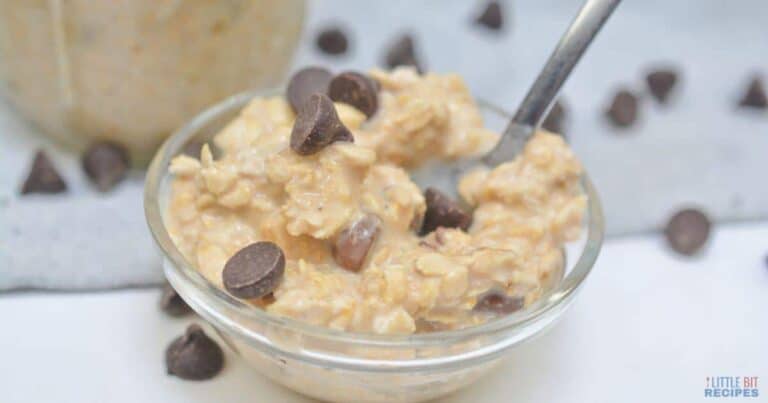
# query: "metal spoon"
{"points": [[537, 102]]}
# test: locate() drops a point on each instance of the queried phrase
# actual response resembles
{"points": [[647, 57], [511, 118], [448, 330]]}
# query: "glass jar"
{"points": [[337, 366], [132, 71]]}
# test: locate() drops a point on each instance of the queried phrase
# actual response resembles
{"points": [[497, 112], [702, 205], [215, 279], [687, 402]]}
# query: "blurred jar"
{"points": [[132, 71]]}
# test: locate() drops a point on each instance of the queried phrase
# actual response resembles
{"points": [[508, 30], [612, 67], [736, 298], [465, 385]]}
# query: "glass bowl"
{"points": [[340, 366]]}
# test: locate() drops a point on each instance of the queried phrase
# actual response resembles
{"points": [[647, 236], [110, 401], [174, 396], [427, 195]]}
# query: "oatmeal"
{"points": [[321, 186]]}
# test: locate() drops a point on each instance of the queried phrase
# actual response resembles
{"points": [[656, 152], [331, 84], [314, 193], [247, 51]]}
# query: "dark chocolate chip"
{"points": [[306, 82], [106, 164], [402, 52], [353, 244], [171, 302], [687, 231], [355, 89], [755, 96], [660, 83], [332, 41], [491, 17], [623, 109], [443, 212], [317, 126], [555, 119], [496, 301], [194, 356], [43, 177], [255, 270]]}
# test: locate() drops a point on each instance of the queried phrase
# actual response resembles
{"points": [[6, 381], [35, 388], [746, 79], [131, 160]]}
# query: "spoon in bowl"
{"points": [[536, 103]]}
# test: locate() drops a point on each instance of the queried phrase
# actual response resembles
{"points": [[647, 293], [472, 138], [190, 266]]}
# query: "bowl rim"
{"points": [[173, 145]]}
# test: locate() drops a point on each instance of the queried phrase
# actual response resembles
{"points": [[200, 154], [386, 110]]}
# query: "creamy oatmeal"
{"points": [[359, 246]]}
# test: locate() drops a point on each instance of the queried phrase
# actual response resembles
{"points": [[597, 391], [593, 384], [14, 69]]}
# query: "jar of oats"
{"points": [[132, 71]]}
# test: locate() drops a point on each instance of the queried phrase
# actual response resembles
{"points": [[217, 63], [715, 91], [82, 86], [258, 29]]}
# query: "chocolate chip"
{"points": [[491, 17], [623, 109], [43, 177], [106, 164], [755, 96], [496, 301], [332, 41], [353, 244], [555, 119], [402, 53], [660, 83], [194, 356], [355, 89], [306, 82], [255, 270], [172, 304], [317, 125], [443, 212], [687, 231]]}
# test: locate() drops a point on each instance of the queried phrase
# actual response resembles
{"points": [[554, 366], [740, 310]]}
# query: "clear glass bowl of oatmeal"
{"points": [[335, 365], [133, 71]]}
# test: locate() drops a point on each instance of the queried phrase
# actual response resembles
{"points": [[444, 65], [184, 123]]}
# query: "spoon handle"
{"points": [[572, 45]]}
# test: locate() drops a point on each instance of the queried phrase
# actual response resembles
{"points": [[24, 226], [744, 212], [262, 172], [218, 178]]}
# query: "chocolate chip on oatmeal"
{"points": [[317, 125], [554, 121], [106, 164], [194, 356], [496, 301], [660, 83], [332, 41], [353, 244], [687, 231], [623, 109], [491, 17], [402, 52], [755, 96], [304, 83], [355, 89], [171, 302], [443, 212], [43, 177], [255, 270]]}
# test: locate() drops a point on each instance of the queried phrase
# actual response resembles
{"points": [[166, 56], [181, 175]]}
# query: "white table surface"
{"points": [[648, 326]]}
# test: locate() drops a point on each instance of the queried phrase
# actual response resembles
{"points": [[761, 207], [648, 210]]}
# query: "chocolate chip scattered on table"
{"points": [[43, 177], [491, 17], [171, 302], [687, 231], [332, 41], [555, 120], [623, 110], [755, 96], [106, 164], [402, 52], [661, 82], [194, 356]]}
